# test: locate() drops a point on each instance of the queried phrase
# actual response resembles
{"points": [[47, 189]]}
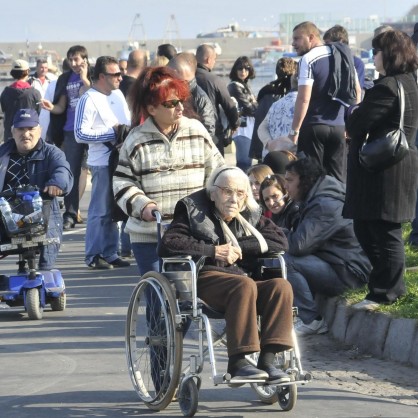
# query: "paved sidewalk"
{"points": [[372, 332]]}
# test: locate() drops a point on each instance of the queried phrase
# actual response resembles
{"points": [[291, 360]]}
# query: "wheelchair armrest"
{"points": [[273, 261]]}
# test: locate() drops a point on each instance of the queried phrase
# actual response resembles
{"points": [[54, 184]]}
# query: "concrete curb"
{"points": [[374, 333]]}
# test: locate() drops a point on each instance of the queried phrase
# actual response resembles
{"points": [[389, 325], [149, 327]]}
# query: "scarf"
{"points": [[248, 229]]}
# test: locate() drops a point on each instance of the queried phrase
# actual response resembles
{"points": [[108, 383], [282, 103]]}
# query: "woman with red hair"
{"points": [[165, 157]]}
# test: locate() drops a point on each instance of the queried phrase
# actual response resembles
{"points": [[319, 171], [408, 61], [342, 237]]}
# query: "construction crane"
{"points": [[172, 29], [137, 28]]}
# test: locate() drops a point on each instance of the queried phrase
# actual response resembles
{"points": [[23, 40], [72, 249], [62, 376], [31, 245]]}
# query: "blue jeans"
{"points": [[146, 256], [48, 254], [102, 234], [74, 154], [309, 275], [124, 239], [242, 146]]}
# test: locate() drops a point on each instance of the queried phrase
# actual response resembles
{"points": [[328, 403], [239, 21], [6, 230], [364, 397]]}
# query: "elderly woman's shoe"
{"points": [[275, 375], [248, 372]]}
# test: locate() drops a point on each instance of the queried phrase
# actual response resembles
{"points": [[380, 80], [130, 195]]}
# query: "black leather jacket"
{"points": [[196, 231], [203, 107]]}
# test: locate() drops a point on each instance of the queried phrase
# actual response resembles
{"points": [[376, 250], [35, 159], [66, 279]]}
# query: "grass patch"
{"points": [[406, 307]]}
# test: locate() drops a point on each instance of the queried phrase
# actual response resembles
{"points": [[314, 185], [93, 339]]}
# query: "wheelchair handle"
{"points": [[157, 215]]}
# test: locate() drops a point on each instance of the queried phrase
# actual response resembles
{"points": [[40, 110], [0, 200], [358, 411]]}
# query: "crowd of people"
{"points": [[153, 138]]}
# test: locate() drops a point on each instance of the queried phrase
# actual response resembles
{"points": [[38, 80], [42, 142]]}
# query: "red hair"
{"points": [[153, 86]]}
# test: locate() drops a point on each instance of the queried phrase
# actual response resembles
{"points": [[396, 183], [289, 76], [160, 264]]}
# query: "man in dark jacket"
{"points": [[324, 254], [185, 65], [20, 94], [218, 94], [137, 60], [70, 86], [29, 160]]}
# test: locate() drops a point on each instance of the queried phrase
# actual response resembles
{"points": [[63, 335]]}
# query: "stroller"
{"points": [[23, 232]]}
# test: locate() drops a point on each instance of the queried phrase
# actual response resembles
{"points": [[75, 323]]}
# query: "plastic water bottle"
{"points": [[7, 215], [37, 215], [37, 202]]}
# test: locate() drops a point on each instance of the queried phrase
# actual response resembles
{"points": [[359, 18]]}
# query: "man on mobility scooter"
{"points": [[27, 160]]}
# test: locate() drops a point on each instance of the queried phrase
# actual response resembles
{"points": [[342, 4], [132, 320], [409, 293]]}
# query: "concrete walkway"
{"points": [[374, 333]]}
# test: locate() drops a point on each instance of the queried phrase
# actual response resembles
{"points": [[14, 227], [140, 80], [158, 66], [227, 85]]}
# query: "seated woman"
{"points": [[274, 198], [223, 223], [256, 174], [324, 255]]}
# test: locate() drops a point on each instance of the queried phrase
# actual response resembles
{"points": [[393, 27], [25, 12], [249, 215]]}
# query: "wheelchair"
{"points": [[162, 307]]}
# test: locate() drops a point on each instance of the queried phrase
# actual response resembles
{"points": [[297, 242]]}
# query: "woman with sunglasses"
{"points": [[379, 202], [162, 160], [242, 71], [223, 223]]}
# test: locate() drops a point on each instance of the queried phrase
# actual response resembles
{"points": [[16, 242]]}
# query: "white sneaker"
{"points": [[366, 305], [314, 327]]}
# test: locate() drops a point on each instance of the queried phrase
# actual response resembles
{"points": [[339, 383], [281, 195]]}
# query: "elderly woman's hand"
{"points": [[227, 253]]}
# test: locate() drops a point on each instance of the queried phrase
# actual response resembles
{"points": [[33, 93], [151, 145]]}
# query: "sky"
{"points": [[89, 20]]}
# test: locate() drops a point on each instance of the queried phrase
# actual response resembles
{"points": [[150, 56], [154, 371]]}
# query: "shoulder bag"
{"points": [[377, 154]]}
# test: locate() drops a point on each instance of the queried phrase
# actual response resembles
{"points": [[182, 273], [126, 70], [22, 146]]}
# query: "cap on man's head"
{"points": [[25, 118], [20, 65]]}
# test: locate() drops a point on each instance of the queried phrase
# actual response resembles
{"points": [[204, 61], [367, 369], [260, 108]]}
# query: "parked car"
{"points": [[4, 57]]}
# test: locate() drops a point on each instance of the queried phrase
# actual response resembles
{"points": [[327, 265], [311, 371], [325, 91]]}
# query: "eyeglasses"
{"points": [[244, 67], [375, 51], [228, 192], [116, 75], [171, 104]]}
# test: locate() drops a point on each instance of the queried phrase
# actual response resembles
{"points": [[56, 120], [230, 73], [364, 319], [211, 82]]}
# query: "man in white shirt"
{"points": [[41, 79], [99, 112]]}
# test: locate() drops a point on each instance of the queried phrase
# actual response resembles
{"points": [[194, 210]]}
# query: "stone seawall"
{"points": [[231, 47]]}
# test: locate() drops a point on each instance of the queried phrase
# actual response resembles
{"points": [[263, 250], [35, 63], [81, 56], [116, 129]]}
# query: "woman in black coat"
{"points": [[379, 202], [239, 88]]}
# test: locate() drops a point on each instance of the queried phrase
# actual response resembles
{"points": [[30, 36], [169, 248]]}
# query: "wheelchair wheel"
{"points": [[154, 341], [33, 304], [287, 396], [267, 393], [188, 397]]}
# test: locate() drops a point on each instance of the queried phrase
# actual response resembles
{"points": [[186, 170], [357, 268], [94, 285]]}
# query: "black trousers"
{"points": [[382, 242], [327, 144]]}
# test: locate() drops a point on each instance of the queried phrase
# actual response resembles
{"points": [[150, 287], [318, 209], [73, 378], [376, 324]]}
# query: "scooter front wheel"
{"points": [[33, 304]]}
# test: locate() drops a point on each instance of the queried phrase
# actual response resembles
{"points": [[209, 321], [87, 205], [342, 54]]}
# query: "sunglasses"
{"points": [[375, 51], [117, 75], [171, 104], [244, 67]]}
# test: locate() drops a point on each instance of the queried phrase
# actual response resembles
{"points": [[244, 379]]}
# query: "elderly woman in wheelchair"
{"points": [[223, 222]]}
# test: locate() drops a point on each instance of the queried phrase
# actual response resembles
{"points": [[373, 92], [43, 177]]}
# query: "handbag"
{"points": [[377, 154]]}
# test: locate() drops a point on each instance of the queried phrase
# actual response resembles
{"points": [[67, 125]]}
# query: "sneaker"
{"points": [[314, 327], [99, 263], [119, 263], [127, 255], [366, 305], [68, 223]]}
